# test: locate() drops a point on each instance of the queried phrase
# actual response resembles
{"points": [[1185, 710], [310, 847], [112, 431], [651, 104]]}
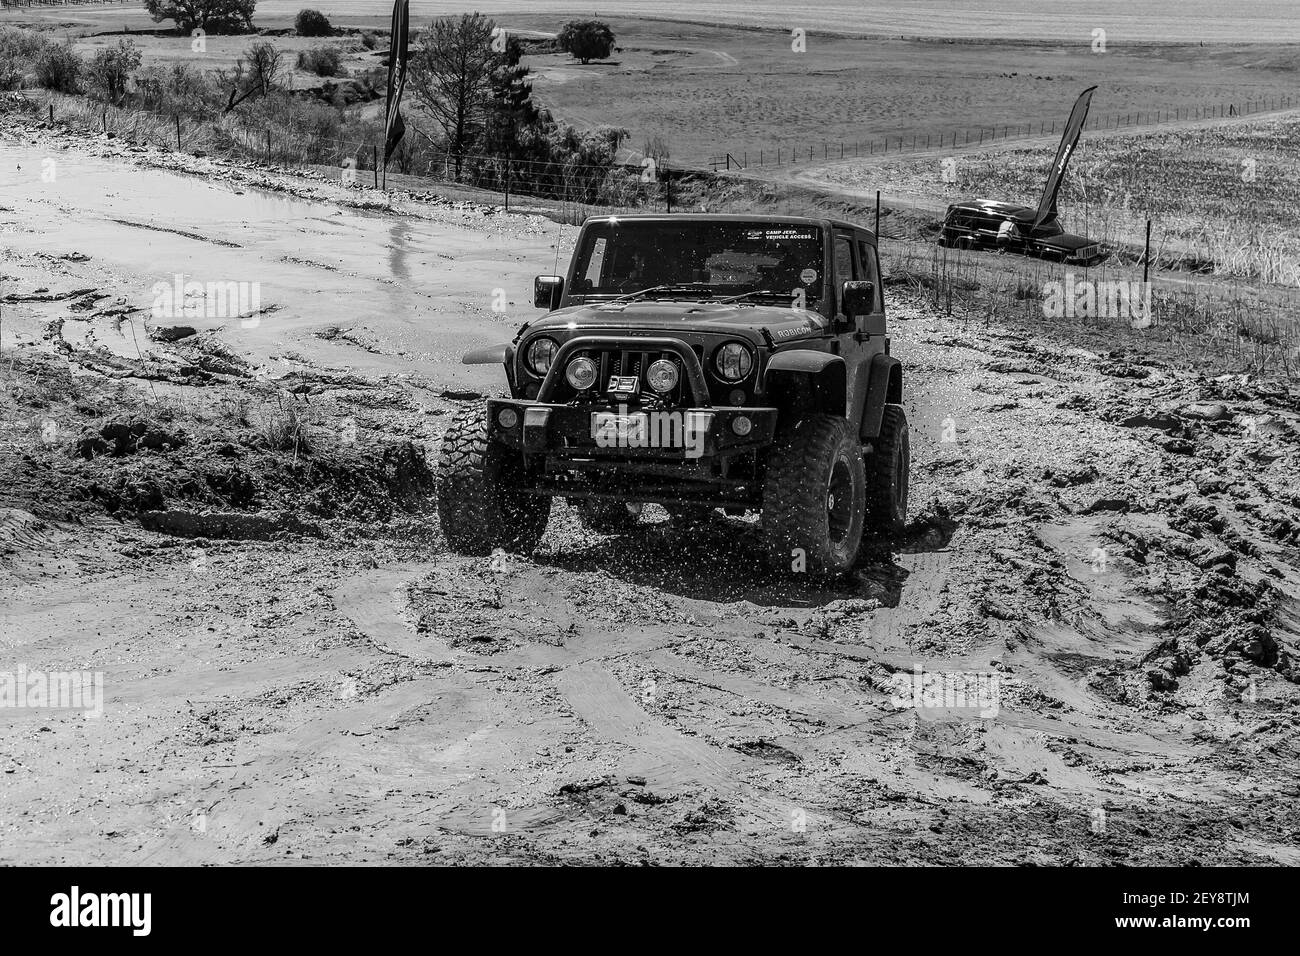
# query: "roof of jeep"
{"points": [[729, 217], [994, 208]]}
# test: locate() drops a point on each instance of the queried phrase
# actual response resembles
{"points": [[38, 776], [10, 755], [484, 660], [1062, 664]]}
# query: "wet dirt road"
{"points": [[1109, 545]]}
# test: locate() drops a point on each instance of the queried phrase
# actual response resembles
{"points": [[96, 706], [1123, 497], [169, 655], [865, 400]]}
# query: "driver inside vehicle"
{"points": [[645, 272]]}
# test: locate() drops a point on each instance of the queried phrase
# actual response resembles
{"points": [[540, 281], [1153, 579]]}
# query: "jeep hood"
{"points": [[718, 318]]}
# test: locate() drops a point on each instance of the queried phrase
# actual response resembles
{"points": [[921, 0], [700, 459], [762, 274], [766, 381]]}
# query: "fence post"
{"points": [[1146, 258], [374, 153], [178, 132]]}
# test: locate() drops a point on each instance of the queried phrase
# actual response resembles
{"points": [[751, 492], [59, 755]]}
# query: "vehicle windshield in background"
{"points": [[700, 260]]}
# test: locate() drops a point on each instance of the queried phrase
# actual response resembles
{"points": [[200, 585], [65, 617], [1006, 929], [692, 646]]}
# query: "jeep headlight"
{"points": [[733, 361], [540, 354], [581, 374], [662, 375]]}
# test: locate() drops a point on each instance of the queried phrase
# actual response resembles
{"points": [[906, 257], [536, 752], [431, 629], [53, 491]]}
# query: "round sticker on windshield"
{"points": [[808, 276]]}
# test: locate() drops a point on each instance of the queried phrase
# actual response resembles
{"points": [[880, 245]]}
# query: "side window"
{"points": [[871, 270], [844, 268]]}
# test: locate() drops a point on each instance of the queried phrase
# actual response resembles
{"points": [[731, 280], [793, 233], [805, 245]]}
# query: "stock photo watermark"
{"points": [[181, 299], [937, 694], [24, 689]]}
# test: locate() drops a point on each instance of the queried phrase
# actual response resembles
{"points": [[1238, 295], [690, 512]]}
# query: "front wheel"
{"points": [[814, 498], [481, 501]]}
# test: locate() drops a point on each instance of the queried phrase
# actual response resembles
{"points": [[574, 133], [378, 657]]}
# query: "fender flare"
{"points": [[503, 355], [825, 369], [884, 387], [491, 355]]}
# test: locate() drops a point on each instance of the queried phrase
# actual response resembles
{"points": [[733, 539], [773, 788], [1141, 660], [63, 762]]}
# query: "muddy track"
{"points": [[1110, 541]]}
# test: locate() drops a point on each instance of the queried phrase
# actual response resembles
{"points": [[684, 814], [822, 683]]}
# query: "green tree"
{"points": [[312, 23], [211, 16], [110, 70], [451, 76], [59, 68], [587, 40]]}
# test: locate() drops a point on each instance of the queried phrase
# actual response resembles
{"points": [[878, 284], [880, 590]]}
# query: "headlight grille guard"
{"points": [[694, 373]]}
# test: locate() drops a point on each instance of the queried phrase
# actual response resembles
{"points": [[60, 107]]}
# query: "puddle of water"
{"points": [[422, 288]]}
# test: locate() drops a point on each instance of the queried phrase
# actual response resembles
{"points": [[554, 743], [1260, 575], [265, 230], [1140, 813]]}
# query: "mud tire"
{"points": [[480, 503], [814, 498], [888, 467]]}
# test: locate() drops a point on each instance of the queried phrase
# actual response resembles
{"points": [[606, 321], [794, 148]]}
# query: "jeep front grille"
{"points": [[613, 356], [628, 363]]}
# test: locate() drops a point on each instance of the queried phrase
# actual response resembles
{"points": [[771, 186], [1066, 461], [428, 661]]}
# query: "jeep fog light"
{"points": [[581, 373], [507, 418], [741, 425], [662, 375], [733, 361]]}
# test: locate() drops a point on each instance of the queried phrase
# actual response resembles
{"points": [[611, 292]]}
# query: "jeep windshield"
{"points": [[747, 262]]}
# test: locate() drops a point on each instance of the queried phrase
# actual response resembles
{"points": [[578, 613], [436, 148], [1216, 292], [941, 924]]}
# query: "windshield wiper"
{"points": [[757, 292], [683, 287]]}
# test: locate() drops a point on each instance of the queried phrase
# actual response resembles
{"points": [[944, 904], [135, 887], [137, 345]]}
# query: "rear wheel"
{"points": [[814, 498], [606, 517], [888, 468], [481, 501]]}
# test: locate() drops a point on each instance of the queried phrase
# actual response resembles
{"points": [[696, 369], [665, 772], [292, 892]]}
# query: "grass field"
{"points": [[1222, 198], [709, 90], [1125, 21]]}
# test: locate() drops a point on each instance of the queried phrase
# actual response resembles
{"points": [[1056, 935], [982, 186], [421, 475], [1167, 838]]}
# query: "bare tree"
{"points": [[263, 65], [451, 75], [254, 72]]}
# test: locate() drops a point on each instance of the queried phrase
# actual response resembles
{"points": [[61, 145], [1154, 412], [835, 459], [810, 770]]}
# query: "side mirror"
{"points": [[547, 291], [857, 297]]}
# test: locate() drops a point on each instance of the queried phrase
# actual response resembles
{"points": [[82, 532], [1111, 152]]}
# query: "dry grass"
{"points": [[1218, 327], [1222, 199]]}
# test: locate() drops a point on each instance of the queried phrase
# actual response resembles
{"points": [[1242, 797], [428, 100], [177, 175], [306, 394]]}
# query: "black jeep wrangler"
{"points": [[698, 362]]}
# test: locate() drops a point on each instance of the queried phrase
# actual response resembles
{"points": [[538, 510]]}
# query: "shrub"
{"points": [[369, 40], [18, 52], [586, 39], [312, 23], [111, 70], [58, 68], [322, 60], [260, 65], [179, 88]]}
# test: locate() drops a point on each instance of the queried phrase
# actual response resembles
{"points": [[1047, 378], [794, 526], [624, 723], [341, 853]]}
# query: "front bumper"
{"points": [[669, 435]]}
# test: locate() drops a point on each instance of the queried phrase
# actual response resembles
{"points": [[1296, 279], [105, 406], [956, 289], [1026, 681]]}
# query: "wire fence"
{"points": [[779, 155], [568, 190], [1113, 307], [15, 4]]}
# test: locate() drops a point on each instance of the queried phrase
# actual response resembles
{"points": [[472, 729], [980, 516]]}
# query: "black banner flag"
{"points": [[1070, 138], [394, 127]]}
